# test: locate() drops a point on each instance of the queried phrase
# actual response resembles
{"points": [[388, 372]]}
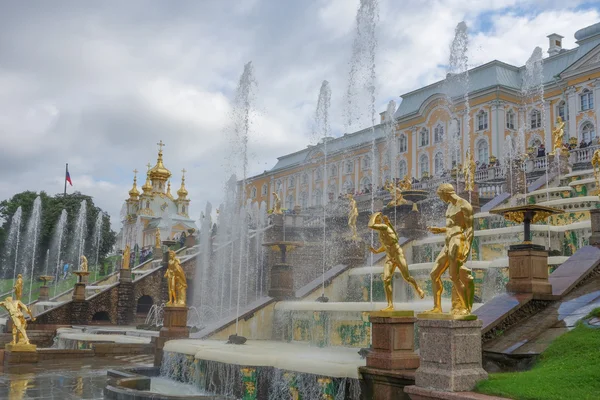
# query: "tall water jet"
{"points": [[11, 256], [80, 234], [390, 150], [97, 240], [360, 93], [57, 244], [31, 241], [201, 278]]}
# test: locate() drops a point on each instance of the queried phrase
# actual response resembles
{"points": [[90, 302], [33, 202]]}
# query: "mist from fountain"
{"points": [[80, 233], [361, 88], [12, 243], [31, 242], [390, 149], [97, 237], [201, 278], [56, 245]]}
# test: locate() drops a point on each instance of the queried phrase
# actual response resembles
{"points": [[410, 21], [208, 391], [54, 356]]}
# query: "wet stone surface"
{"points": [[63, 379]]}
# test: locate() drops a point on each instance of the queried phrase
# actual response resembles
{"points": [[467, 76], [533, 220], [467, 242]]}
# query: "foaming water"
{"points": [[97, 241], [31, 242], [12, 243], [57, 245], [78, 244]]}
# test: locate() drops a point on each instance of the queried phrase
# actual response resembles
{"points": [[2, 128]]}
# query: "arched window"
{"points": [[455, 127], [386, 158], [535, 142], [588, 133], [147, 204], [183, 209], [349, 186], [402, 169], [438, 162], [455, 157], [366, 162], [365, 183], [318, 195], [319, 174], [438, 133], [333, 171], [424, 165], [510, 120], [587, 100], [387, 177], [289, 202], [331, 192], [562, 110], [402, 144], [264, 189], [253, 192], [291, 182], [424, 137], [535, 120], [349, 167], [482, 152], [482, 120], [278, 186], [305, 179], [304, 200]]}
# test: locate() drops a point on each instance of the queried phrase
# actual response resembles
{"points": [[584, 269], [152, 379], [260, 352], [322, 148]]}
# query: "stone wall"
{"points": [[39, 338]]}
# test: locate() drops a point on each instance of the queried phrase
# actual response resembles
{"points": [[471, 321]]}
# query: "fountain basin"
{"points": [[415, 195]]}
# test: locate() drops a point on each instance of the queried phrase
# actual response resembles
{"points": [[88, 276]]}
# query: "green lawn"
{"points": [[568, 369]]}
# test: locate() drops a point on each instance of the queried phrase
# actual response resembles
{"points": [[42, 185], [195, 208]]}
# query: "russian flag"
{"points": [[68, 177]]}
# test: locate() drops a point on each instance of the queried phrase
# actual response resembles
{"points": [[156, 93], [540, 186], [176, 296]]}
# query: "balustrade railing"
{"points": [[489, 173], [583, 155]]}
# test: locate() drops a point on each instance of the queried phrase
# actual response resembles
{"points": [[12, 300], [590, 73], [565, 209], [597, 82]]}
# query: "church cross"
{"points": [[135, 171], [183, 171], [160, 145], [149, 166]]}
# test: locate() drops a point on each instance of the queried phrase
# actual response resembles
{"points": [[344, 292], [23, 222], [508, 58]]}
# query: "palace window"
{"points": [[588, 133], [482, 120], [349, 186], [455, 157], [264, 190], [333, 171], [366, 162], [439, 164], [305, 179], [402, 144], [402, 169], [183, 209], [562, 110], [535, 120], [349, 167], [386, 158], [535, 142], [318, 197], [482, 152], [289, 202], [510, 120], [318, 174], [331, 192], [365, 183], [304, 199], [253, 192], [587, 100], [424, 137], [424, 165], [278, 186], [291, 182], [438, 134]]}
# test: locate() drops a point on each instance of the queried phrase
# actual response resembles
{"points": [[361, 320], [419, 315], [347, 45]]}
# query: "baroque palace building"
{"points": [[428, 135]]}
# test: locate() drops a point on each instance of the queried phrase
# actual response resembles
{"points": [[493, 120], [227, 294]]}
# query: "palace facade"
{"points": [[428, 135]]}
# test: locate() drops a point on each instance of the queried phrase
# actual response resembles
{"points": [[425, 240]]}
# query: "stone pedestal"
{"points": [[450, 355], [174, 327], [282, 282], [595, 220], [124, 275], [79, 292], [80, 312], [157, 253], [528, 269], [126, 302], [384, 384], [44, 293], [562, 166], [393, 341], [20, 354], [190, 241]]}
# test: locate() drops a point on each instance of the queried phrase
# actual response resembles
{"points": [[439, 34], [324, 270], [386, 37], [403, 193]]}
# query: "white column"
{"points": [[547, 126], [466, 134], [340, 175], [297, 183], [325, 180], [356, 167], [413, 151], [573, 107], [596, 84], [501, 130], [495, 128], [311, 176]]}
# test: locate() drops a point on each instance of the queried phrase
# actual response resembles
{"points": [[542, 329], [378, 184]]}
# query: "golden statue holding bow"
{"points": [[15, 311], [395, 257], [18, 287], [459, 238], [557, 135], [176, 282], [352, 216], [469, 172], [277, 204]]}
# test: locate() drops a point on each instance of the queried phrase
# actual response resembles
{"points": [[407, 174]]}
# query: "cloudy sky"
{"points": [[98, 84]]}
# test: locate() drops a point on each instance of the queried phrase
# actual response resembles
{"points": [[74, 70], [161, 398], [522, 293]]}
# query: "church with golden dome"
{"points": [[155, 208]]}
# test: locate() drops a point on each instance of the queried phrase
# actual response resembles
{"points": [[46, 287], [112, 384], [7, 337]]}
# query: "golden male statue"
{"points": [[469, 172], [459, 237], [557, 135], [394, 257], [405, 184], [126, 257], [176, 282], [352, 216], [18, 287], [157, 240], [277, 204], [396, 192], [596, 165], [84, 264], [15, 311]]}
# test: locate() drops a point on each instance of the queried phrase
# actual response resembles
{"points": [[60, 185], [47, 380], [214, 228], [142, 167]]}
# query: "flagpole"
{"points": [[66, 172]]}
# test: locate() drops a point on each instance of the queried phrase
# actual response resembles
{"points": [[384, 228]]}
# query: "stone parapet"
{"points": [[393, 343], [528, 270]]}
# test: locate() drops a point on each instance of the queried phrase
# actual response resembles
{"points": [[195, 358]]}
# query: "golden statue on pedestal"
{"points": [[459, 238], [176, 281], [18, 287], [157, 241], [596, 165], [126, 257], [277, 204], [469, 172], [352, 215], [557, 136], [15, 312], [396, 192], [394, 257], [84, 264]]}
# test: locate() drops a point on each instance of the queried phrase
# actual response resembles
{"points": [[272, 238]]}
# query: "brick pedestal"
{"points": [[528, 270], [157, 253], [44, 293], [125, 275], [450, 355], [80, 312], [174, 327], [126, 302], [282, 282], [595, 220], [393, 343], [79, 292]]}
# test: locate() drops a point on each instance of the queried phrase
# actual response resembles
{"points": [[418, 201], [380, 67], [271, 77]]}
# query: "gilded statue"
{"points": [[15, 312], [126, 257], [18, 287], [596, 166], [557, 135], [352, 216], [277, 204], [176, 282], [394, 257], [459, 238], [469, 172], [405, 184], [84, 264], [157, 241], [396, 192]]}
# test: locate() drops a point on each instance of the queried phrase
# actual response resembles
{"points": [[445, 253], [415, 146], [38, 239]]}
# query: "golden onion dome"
{"points": [[169, 195], [134, 192], [147, 188], [159, 172], [182, 192]]}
